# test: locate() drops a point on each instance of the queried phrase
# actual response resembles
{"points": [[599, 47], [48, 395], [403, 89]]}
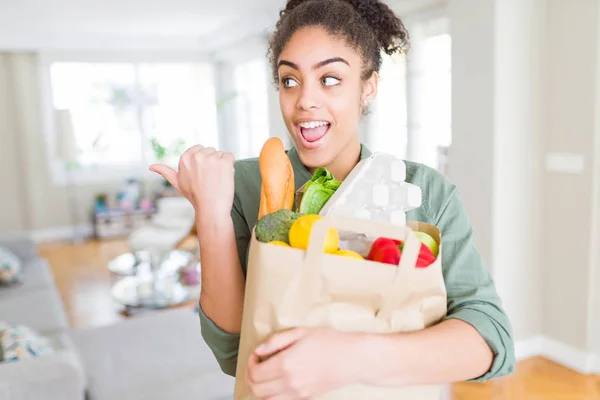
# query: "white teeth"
{"points": [[313, 124]]}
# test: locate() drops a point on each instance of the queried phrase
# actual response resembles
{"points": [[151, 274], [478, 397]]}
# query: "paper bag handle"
{"points": [[307, 282], [320, 228]]}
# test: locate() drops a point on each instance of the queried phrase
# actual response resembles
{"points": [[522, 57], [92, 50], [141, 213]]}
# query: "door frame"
{"points": [[594, 314]]}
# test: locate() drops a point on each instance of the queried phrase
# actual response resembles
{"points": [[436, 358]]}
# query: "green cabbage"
{"points": [[317, 191]]}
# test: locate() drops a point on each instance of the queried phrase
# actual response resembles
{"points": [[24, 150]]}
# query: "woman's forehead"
{"points": [[312, 45]]}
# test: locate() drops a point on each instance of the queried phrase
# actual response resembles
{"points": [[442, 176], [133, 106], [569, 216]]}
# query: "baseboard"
{"points": [[62, 233], [528, 348], [569, 356]]}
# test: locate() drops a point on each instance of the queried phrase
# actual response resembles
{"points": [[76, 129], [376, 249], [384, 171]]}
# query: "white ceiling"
{"points": [[149, 24]]}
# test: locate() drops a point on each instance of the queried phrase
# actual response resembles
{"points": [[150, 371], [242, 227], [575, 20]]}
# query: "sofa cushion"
{"points": [[10, 267], [19, 342], [41, 309], [35, 274], [158, 356], [57, 376], [21, 245]]}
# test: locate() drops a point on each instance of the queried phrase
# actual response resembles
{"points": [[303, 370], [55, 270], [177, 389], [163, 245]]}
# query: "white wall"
{"points": [[522, 90], [517, 152], [495, 109], [570, 117]]}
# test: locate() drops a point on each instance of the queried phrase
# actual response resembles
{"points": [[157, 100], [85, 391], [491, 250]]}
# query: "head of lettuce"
{"points": [[317, 191]]}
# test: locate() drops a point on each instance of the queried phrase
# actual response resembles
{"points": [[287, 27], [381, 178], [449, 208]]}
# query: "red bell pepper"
{"points": [[384, 250], [389, 251]]}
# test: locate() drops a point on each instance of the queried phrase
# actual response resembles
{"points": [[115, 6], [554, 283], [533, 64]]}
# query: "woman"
{"points": [[325, 56]]}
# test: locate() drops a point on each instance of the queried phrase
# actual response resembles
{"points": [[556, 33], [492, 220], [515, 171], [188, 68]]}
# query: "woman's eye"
{"points": [[330, 81], [288, 82]]}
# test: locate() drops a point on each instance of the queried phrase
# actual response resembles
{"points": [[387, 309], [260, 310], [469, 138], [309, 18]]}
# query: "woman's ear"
{"points": [[369, 89]]}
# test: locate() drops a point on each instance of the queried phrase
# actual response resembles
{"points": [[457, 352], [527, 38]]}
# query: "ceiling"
{"points": [[144, 24]]}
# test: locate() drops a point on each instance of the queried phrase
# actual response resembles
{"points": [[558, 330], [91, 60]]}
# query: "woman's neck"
{"points": [[345, 162]]}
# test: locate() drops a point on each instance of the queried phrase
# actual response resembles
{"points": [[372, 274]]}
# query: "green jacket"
{"points": [[472, 296]]}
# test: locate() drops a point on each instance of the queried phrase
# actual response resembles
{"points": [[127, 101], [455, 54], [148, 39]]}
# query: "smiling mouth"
{"points": [[313, 132]]}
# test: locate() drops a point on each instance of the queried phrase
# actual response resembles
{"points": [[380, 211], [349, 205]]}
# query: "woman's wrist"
{"points": [[376, 354], [208, 223], [368, 360]]}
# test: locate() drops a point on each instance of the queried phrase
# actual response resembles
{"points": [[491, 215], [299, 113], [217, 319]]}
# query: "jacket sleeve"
{"points": [[223, 345]]}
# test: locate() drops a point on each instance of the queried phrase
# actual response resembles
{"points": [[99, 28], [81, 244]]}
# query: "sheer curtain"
{"points": [[29, 199], [12, 169]]}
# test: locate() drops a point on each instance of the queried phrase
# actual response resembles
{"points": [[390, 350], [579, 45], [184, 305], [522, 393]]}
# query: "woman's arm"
{"points": [[451, 351], [309, 361], [221, 329], [222, 295], [206, 177]]}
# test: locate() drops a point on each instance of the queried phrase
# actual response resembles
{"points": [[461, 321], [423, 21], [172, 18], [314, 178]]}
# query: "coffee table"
{"points": [[128, 264], [144, 284]]}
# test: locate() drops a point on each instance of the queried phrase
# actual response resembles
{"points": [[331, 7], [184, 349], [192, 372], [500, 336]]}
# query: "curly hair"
{"points": [[369, 26]]}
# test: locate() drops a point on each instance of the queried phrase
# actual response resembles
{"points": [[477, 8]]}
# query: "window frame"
{"points": [[59, 175], [227, 60], [422, 25]]}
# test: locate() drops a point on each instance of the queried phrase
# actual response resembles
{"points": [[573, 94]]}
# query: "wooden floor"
{"points": [[84, 283]]}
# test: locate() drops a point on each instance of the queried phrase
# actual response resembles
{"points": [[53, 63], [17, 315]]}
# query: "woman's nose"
{"points": [[309, 99]]}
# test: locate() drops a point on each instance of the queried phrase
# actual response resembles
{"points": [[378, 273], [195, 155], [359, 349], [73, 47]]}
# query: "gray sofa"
{"points": [[36, 304], [152, 357]]}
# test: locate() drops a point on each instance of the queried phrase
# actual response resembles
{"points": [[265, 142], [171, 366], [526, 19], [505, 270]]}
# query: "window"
{"points": [[411, 115], [126, 116], [252, 113], [388, 122], [431, 101]]}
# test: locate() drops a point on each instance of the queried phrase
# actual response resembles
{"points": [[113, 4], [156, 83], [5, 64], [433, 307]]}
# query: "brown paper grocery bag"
{"points": [[287, 287]]}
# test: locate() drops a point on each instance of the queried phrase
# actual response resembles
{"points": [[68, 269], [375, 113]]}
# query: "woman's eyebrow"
{"points": [[317, 65], [329, 61]]}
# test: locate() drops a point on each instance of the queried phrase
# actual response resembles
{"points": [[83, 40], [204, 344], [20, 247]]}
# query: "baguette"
{"points": [[277, 188]]}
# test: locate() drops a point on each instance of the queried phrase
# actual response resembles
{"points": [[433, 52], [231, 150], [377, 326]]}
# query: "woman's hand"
{"points": [[303, 363], [205, 178]]}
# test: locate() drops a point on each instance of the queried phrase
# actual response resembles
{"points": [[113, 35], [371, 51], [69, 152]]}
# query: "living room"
{"points": [[501, 97]]}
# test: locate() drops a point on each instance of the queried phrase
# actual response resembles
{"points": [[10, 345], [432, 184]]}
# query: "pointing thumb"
{"points": [[166, 172]]}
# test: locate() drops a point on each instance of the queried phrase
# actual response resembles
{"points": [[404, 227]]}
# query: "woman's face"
{"points": [[322, 96]]}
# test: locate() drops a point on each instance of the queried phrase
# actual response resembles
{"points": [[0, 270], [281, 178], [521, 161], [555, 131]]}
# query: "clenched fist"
{"points": [[205, 178]]}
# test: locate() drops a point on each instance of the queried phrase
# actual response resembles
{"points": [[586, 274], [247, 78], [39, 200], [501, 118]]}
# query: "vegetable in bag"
{"points": [[317, 191]]}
